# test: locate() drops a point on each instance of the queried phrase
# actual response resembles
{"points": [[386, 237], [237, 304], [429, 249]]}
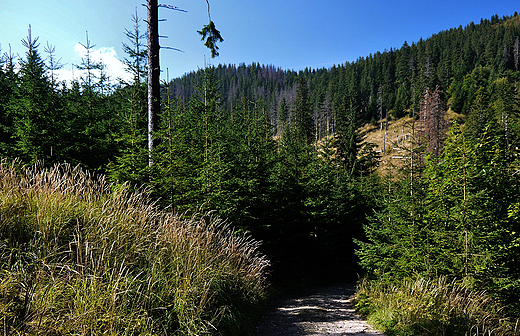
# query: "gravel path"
{"points": [[320, 311]]}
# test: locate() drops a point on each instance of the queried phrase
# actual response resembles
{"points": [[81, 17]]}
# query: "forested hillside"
{"points": [[390, 81], [281, 156]]}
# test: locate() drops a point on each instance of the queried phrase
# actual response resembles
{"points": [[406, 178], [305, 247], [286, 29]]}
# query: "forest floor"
{"points": [[315, 311]]}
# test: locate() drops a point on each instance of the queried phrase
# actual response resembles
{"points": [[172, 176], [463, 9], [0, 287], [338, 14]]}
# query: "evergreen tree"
{"points": [[453, 198], [302, 116], [471, 192], [396, 238], [53, 64], [178, 158], [131, 162], [505, 105], [136, 63], [250, 155], [8, 82], [36, 122], [91, 129], [348, 138], [395, 245]]}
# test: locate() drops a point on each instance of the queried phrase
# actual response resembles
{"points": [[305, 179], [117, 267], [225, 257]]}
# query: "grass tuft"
{"points": [[81, 256], [431, 307]]}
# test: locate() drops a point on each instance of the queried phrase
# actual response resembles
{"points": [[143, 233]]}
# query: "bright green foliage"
{"points": [[131, 162], [397, 233], [35, 111], [471, 88], [212, 36], [457, 209], [188, 169], [92, 128], [457, 218]]}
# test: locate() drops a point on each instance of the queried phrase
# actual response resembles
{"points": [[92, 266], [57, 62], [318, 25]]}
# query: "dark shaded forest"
{"points": [[279, 153]]}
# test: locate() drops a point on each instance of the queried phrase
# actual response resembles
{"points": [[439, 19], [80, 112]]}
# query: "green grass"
{"points": [[431, 307], [81, 256]]}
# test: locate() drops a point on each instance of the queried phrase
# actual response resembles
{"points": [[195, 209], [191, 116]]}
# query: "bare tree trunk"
{"points": [[154, 98], [516, 53]]}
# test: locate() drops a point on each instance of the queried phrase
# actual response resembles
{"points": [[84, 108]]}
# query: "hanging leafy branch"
{"points": [[212, 35]]}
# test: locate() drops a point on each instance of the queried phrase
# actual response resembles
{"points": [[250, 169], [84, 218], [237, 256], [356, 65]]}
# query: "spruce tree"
{"points": [[348, 138], [91, 130], [396, 244], [131, 161], [302, 115], [53, 64], [8, 82], [36, 122]]}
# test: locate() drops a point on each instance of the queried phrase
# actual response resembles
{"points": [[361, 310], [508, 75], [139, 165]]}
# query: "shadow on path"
{"points": [[320, 311]]}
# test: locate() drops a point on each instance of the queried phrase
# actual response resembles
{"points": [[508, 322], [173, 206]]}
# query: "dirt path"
{"points": [[320, 311]]}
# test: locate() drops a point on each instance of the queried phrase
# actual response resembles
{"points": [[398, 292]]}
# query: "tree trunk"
{"points": [[154, 98]]}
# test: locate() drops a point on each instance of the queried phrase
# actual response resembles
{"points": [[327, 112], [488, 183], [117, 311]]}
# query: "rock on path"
{"points": [[320, 311]]}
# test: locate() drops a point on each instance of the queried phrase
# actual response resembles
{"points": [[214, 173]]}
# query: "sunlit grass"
{"points": [[431, 307], [81, 256]]}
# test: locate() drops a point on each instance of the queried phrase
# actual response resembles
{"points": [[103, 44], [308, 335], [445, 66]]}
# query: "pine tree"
{"points": [[506, 107], [91, 130], [178, 158], [53, 63], [131, 163], [249, 154], [396, 244], [452, 193], [348, 138], [302, 116], [8, 82], [36, 120], [136, 63]]}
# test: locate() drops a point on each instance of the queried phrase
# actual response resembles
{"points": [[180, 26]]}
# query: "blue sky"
{"points": [[286, 33]]}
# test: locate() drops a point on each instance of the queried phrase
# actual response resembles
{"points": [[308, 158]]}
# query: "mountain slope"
{"points": [[391, 81]]}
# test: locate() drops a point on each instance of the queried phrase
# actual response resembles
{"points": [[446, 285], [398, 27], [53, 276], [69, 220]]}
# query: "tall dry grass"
{"points": [[431, 307], [81, 256]]}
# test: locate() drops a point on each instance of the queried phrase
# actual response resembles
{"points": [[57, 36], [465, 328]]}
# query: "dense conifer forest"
{"points": [[279, 154]]}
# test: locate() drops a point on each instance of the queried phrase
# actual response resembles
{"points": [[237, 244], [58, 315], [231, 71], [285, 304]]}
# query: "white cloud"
{"points": [[114, 68]]}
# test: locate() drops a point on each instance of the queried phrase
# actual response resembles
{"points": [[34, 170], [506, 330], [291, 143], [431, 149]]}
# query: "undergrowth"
{"points": [[81, 256], [431, 307]]}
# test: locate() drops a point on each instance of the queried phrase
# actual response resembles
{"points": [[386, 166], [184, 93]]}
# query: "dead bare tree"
{"points": [[208, 32], [433, 120]]}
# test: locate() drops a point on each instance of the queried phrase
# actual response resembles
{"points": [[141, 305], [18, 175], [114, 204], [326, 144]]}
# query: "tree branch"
{"points": [[172, 7]]}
